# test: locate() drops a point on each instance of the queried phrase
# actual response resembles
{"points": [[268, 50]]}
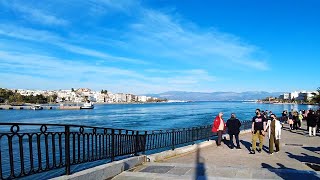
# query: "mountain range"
{"points": [[215, 96]]}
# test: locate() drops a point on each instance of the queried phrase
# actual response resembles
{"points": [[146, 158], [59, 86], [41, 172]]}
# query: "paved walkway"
{"points": [[297, 151], [296, 148]]}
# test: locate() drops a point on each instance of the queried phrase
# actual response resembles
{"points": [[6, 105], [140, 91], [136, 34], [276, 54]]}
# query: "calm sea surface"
{"points": [[146, 116]]}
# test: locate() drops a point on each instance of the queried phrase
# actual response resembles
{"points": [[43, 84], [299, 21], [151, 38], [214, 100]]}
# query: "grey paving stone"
{"points": [[157, 169], [179, 170]]}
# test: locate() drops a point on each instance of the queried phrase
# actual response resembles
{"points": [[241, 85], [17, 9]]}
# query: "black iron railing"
{"points": [[27, 149]]}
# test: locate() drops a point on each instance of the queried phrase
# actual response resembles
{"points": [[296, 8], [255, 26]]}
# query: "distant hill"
{"points": [[215, 96]]}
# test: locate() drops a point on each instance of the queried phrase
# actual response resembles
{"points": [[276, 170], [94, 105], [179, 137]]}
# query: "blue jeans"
{"points": [[231, 140]]}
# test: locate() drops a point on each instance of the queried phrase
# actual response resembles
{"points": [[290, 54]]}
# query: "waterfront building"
{"points": [[293, 95], [304, 95], [284, 96], [128, 98], [142, 98]]}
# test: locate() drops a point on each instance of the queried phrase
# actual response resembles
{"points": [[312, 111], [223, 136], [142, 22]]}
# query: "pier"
{"points": [[45, 107]]}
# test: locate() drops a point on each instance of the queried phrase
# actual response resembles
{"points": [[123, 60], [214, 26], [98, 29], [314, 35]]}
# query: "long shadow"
{"points": [[289, 173], [305, 158], [225, 141], [248, 145], [200, 172], [313, 149]]}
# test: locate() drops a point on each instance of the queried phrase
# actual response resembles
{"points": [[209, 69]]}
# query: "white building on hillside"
{"points": [[142, 98], [293, 95], [305, 95], [284, 96]]}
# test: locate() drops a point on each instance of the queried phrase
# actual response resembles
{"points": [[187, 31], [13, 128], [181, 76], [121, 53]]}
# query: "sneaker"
{"points": [[238, 148], [259, 150], [271, 154], [252, 152], [277, 152]]}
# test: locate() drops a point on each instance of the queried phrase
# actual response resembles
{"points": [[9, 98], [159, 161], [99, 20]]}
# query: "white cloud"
{"points": [[175, 40], [41, 68], [191, 52], [34, 14], [50, 38]]}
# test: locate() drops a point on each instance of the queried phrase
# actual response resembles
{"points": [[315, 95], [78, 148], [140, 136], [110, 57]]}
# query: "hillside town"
{"points": [[78, 96], [300, 97]]}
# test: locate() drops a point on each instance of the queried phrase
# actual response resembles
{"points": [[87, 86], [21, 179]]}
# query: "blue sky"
{"points": [[150, 46]]}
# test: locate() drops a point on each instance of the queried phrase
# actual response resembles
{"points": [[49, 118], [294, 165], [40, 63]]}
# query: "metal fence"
{"points": [[27, 149]]}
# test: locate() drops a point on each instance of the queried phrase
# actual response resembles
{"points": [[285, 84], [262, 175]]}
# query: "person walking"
{"points": [[290, 120], [295, 119], [257, 129], [219, 127], [233, 125], [284, 118], [318, 120], [300, 119], [274, 129], [311, 118]]}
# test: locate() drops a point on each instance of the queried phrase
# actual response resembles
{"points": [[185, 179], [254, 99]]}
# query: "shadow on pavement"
{"points": [[200, 171], [305, 158], [313, 149], [289, 173], [246, 144]]}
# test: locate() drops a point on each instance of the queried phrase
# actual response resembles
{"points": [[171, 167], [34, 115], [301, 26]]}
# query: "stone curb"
{"points": [[105, 171]]}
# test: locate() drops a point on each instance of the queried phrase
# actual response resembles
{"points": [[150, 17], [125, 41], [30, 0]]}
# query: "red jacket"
{"points": [[216, 124]]}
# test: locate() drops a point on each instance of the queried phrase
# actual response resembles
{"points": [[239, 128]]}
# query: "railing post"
{"points": [[145, 142], [67, 149], [173, 137], [112, 145], [137, 144], [192, 135], [208, 132]]}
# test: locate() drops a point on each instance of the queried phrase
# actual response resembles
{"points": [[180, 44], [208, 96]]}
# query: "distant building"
{"points": [[293, 95], [120, 97], [142, 98], [284, 96], [305, 96]]}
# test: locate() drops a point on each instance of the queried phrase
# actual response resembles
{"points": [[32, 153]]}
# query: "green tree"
{"points": [[72, 90], [316, 96]]}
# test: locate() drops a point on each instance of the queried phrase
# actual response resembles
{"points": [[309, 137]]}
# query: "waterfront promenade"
{"points": [[297, 152]]}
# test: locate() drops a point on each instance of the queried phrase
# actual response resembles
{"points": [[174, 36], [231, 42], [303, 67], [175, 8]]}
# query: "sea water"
{"points": [[154, 116]]}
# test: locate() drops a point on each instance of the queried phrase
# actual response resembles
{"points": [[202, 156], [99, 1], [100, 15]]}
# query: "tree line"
{"points": [[15, 98]]}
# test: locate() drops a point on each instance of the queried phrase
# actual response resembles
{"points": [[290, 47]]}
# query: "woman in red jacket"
{"points": [[218, 127]]}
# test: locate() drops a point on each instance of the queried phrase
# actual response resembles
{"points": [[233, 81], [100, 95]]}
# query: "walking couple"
{"points": [[233, 125], [260, 126]]}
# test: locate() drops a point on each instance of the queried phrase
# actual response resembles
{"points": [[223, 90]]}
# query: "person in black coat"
{"points": [[233, 125], [311, 118]]}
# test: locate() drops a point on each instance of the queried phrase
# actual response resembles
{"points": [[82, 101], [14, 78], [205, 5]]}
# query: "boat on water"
{"points": [[37, 107], [87, 105]]}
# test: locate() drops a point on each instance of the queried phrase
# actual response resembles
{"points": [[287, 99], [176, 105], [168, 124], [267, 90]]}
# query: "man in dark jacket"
{"points": [[233, 125], [311, 118]]}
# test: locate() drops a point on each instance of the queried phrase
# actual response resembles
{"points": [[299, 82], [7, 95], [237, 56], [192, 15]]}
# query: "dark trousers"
{"points": [[295, 125], [299, 124], [219, 138], [237, 140]]}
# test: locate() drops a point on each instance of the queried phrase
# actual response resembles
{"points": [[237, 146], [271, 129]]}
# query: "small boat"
{"points": [[87, 105], [37, 107]]}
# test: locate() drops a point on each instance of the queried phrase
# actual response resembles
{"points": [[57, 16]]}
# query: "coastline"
{"points": [[287, 103]]}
